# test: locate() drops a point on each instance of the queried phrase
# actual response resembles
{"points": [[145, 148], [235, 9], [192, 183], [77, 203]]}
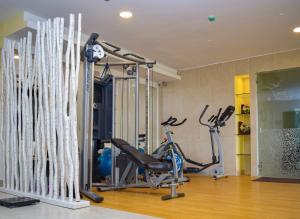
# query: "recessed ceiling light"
{"points": [[16, 57], [125, 14], [296, 30], [281, 14]]}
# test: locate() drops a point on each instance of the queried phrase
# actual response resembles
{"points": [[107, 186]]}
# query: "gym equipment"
{"points": [[102, 125], [215, 122], [161, 152], [18, 202], [100, 117], [104, 163], [89, 58], [157, 173]]}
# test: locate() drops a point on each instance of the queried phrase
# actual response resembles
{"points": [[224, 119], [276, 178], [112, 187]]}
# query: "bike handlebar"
{"points": [[178, 124], [171, 121]]}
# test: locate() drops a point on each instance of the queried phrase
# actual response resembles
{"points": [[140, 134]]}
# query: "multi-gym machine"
{"points": [[92, 53]]}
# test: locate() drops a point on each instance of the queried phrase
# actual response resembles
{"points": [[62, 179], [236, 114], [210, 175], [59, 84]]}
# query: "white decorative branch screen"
{"points": [[38, 132]]}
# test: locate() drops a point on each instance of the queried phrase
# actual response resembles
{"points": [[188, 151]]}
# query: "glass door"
{"points": [[278, 103]]}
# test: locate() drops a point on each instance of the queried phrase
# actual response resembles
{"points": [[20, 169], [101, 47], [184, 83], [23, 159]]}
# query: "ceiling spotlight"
{"points": [[16, 57], [125, 14], [296, 30]]}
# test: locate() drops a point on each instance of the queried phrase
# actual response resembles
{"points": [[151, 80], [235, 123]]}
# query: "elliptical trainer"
{"points": [[214, 123]]}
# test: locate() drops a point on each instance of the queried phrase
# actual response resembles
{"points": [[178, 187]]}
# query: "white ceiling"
{"points": [[177, 33]]}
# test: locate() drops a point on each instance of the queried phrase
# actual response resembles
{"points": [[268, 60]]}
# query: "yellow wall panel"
{"points": [[11, 25]]}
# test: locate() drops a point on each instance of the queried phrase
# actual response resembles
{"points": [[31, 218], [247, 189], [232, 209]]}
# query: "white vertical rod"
{"points": [[41, 111], [37, 164], [15, 113], [24, 113], [29, 111], [70, 167], [9, 115], [47, 98], [52, 86], [7, 122], [2, 150], [75, 145], [60, 115], [20, 163]]}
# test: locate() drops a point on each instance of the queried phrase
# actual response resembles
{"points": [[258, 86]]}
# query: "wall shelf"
{"points": [[243, 141], [242, 94]]}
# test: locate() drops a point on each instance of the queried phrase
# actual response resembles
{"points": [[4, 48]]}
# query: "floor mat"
{"points": [[277, 180]]}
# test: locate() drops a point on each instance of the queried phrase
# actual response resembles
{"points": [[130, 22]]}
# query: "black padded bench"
{"points": [[141, 159]]}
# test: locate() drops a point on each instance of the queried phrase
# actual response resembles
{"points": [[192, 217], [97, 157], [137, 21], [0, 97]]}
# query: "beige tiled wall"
{"points": [[214, 85]]}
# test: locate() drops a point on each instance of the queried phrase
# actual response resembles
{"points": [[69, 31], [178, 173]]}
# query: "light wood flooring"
{"points": [[232, 197]]}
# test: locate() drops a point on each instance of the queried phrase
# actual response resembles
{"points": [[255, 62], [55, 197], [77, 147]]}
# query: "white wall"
{"points": [[214, 85]]}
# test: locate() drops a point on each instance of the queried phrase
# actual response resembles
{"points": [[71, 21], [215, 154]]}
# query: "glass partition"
{"points": [[278, 102]]}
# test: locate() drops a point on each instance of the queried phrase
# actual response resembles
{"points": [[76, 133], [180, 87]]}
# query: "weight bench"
{"points": [[158, 173], [142, 159]]}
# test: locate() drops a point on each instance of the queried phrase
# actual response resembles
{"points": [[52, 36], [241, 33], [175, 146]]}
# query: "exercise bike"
{"points": [[161, 152]]}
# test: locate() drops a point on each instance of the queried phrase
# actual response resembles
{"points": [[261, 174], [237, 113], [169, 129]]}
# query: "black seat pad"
{"points": [[141, 159], [160, 166]]}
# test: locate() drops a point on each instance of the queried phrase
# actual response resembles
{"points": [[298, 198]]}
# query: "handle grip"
{"points": [[202, 114], [211, 118], [178, 124], [218, 114], [170, 119]]}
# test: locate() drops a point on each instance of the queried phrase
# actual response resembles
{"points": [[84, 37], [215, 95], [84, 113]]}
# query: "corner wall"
{"points": [[214, 85]]}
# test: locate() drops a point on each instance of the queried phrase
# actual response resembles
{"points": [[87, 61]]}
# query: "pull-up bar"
{"points": [[114, 50]]}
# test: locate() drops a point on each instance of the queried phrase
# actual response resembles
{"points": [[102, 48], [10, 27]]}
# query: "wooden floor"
{"points": [[233, 197]]}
